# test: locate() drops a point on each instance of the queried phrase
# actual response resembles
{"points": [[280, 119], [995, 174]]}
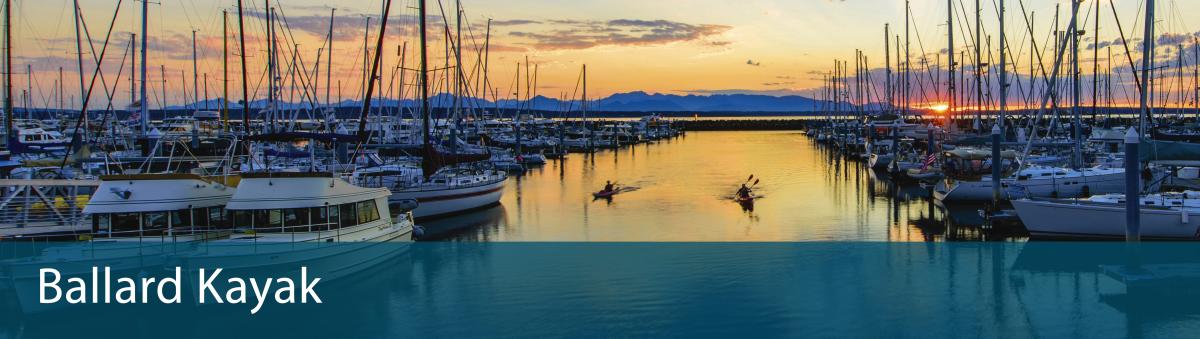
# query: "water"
{"points": [[684, 188]]}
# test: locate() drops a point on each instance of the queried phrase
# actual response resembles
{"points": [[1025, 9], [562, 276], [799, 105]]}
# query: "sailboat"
{"points": [[443, 185]]}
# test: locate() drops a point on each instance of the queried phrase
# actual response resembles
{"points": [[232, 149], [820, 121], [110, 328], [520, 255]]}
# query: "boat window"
{"points": [[154, 223], [367, 211], [240, 219], [294, 217], [348, 215], [319, 218], [101, 223], [181, 219], [200, 218], [125, 223], [334, 216]]}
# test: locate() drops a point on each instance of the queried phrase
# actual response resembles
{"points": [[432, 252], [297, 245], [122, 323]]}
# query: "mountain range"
{"points": [[637, 101]]}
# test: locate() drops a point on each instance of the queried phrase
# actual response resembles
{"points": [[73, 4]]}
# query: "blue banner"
{"points": [[454, 289]]}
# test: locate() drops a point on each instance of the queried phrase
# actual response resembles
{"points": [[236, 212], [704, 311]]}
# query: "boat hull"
{"points": [[948, 190], [442, 202], [1069, 219]]}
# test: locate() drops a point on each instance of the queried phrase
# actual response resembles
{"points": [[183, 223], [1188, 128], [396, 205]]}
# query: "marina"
{"points": [[618, 168]]}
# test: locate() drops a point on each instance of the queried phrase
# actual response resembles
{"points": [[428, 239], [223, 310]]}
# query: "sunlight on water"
{"points": [[684, 190]]}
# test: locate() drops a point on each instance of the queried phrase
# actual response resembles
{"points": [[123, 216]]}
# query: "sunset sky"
{"points": [[667, 46]]}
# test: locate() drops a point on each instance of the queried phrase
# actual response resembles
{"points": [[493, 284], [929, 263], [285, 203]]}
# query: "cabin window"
{"points": [[294, 218], [101, 223], [242, 219], [319, 217], [154, 223], [216, 219], [349, 217], [125, 223], [367, 212], [200, 218], [181, 219], [334, 217]]}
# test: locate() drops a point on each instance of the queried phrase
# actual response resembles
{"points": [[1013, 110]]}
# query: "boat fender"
{"points": [[418, 231]]}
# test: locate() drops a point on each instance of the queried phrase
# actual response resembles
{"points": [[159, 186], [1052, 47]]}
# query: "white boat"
{"points": [[1163, 216], [137, 221], [1037, 182], [453, 190]]}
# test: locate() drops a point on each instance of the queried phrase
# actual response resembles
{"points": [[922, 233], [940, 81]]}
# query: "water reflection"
{"points": [[808, 193]]}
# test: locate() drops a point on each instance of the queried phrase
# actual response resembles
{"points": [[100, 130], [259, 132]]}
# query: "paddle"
{"points": [[755, 183], [748, 179]]}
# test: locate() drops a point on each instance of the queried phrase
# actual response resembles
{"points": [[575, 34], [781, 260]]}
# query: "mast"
{"points": [[978, 64], [1096, 64], [362, 118], [424, 77], [245, 86], [225, 69], [1003, 75], [195, 74], [8, 103], [1076, 87], [329, 60], [145, 112], [887, 60], [907, 59], [950, 62], [1147, 64], [78, 58]]}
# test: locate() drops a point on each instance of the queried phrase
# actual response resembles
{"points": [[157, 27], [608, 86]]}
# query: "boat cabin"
{"points": [[158, 205]]}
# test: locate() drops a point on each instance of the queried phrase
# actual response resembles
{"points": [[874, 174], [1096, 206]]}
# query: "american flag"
{"points": [[928, 161]]}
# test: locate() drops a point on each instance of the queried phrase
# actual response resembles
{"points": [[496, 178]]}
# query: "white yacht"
{"points": [[1163, 216], [450, 190], [1037, 182]]}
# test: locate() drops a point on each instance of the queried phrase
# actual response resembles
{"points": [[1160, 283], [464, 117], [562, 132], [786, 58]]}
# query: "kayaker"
{"points": [[608, 187], [743, 192]]}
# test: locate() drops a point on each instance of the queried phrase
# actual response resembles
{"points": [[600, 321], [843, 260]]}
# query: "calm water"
{"points": [[684, 186]]}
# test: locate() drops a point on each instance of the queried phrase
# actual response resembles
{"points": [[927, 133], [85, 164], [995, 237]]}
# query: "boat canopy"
{"points": [[1169, 152], [156, 193], [298, 190]]}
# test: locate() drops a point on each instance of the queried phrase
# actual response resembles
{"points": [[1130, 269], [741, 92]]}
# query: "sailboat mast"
{"points": [[145, 105], [78, 55], [8, 101], [950, 61], [225, 69], [242, 53], [195, 74], [329, 60], [1003, 74], [978, 63], [424, 77], [887, 60], [362, 118], [1076, 87], [1147, 64], [907, 58]]}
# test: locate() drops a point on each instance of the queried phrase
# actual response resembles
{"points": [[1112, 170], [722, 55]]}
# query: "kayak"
{"points": [[744, 200], [603, 194]]}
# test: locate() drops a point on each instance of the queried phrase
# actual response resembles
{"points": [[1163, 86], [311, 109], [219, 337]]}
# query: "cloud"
{"points": [[567, 34], [515, 22]]}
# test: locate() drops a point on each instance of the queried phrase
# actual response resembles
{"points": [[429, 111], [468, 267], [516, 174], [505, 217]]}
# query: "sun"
{"points": [[940, 108]]}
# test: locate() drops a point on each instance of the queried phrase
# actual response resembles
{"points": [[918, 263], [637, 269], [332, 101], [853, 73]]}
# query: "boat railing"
{"points": [[40, 206]]}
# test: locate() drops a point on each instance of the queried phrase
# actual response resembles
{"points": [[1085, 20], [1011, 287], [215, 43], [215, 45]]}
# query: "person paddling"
{"points": [[744, 192], [608, 187]]}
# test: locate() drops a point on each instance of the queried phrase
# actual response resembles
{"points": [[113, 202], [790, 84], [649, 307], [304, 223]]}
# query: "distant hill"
{"points": [[637, 101]]}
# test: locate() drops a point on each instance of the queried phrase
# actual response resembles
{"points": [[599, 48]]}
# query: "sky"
{"points": [[781, 47]]}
